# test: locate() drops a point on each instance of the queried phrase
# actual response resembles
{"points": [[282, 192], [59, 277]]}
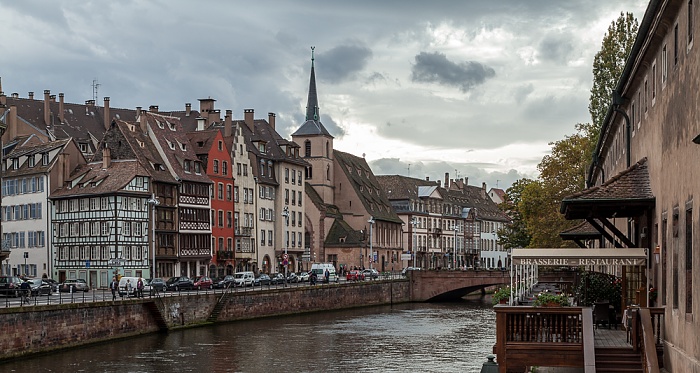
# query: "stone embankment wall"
{"points": [[36, 329]]}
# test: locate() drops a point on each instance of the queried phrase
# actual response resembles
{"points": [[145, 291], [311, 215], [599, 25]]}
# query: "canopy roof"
{"points": [[579, 257]]}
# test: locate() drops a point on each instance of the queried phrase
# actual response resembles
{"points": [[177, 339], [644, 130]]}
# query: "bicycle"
{"points": [[26, 297]]}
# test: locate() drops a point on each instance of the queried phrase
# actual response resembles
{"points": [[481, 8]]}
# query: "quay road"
{"points": [[105, 295]]}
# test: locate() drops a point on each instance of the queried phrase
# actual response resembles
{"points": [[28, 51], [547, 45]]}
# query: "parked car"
{"points": [[371, 273], [203, 282], [71, 286], [407, 269], [354, 275], [9, 286], [39, 287], [292, 277], [263, 279], [225, 282], [53, 283], [178, 283], [303, 276], [154, 285], [243, 279], [277, 278]]}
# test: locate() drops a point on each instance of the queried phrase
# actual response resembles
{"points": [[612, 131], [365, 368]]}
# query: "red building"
{"points": [[211, 149]]}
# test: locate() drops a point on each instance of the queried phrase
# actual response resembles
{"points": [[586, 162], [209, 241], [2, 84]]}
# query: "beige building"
{"points": [[642, 183]]}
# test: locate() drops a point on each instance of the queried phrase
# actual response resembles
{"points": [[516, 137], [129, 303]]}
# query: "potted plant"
{"points": [[547, 299], [501, 295]]}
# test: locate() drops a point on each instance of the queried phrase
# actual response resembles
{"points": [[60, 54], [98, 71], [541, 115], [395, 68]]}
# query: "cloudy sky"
{"points": [[474, 88]]}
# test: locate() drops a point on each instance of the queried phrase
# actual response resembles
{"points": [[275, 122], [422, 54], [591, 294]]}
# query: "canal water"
{"points": [[417, 337]]}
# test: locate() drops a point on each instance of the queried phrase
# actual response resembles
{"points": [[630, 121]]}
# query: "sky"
{"points": [[476, 89]]}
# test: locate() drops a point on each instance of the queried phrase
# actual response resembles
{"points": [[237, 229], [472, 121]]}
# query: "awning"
{"points": [[579, 257]]}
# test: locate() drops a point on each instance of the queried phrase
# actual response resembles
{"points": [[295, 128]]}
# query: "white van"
{"points": [[320, 269], [243, 278], [122, 286]]}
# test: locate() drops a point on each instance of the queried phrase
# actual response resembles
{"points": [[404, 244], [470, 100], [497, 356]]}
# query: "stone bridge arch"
{"points": [[433, 286]]}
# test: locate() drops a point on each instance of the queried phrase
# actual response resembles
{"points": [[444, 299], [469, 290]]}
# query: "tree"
{"points": [[515, 234], [608, 65]]}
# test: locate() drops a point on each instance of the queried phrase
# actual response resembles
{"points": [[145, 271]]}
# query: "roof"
{"points": [[366, 186], [583, 230], [26, 150], [626, 194], [341, 234], [92, 179], [578, 257], [312, 128], [329, 209], [399, 187]]}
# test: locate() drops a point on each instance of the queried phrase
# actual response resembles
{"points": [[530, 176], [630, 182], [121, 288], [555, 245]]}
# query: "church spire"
{"points": [[312, 103]]}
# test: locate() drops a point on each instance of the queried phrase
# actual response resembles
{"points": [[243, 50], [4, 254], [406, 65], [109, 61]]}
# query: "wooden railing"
{"points": [[528, 336], [646, 336]]}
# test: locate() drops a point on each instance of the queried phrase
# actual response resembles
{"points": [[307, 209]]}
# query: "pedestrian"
{"points": [[129, 287], [327, 275], [25, 288], [114, 286], [139, 288]]}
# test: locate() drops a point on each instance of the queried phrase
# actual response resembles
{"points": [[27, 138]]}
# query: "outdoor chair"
{"points": [[601, 313]]}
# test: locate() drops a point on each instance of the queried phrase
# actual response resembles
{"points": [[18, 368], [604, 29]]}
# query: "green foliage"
{"points": [[608, 65], [500, 294], [595, 286], [514, 235], [546, 298]]}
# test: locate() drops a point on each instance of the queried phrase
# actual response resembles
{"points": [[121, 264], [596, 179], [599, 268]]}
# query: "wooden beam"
{"points": [[617, 233], [604, 232]]}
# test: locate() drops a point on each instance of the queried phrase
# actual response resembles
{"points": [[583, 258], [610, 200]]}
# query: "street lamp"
{"points": [[285, 214], [454, 259], [4, 246], [414, 223], [371, 252], [153, 202]]}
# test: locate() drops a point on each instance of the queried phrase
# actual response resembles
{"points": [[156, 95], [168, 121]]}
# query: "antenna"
{"points": [[95, 87], [497, 183], [409, 170]]}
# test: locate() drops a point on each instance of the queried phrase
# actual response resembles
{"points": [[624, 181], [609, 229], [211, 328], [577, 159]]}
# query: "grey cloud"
{"points": [[556, 47], [342, 62], [521, 92], [436, 68]]}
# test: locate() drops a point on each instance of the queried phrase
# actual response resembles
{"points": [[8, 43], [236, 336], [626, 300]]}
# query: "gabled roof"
{"points": [[477, 201], [36, 150], [329, 209], [399, 187], [626, 194], [366, 186], [312, 125], [584, 230], [93, 179], [427, 191], [341, 234], [202, 141]]}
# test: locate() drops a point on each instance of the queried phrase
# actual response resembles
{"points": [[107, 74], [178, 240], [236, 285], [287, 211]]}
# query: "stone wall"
{"points": [[30, 330]]}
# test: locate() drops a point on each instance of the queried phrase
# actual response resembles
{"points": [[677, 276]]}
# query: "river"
{"points": [[417, 337]]}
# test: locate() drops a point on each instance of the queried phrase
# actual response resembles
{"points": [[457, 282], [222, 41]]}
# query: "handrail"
{"points": [[588, 340], [648, 345]]}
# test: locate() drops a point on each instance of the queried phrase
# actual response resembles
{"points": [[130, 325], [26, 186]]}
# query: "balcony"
{"points": [[243, 231], [224, 255], [436, 231]]}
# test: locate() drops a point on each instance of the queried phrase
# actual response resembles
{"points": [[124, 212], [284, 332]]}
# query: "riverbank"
{"points": [[38, 329]]}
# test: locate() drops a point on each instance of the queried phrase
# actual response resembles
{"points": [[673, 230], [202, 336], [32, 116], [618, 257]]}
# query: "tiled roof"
{"points": [[399, 187], [476, 199], [366, 186], [330, 210], [37, 150], [628, 193], [92, 179], [205, 138], [312, 128], [127, 141], [342, 235]]}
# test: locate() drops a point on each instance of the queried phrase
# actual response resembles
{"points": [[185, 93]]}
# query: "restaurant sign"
{"points": [[573, 262]]}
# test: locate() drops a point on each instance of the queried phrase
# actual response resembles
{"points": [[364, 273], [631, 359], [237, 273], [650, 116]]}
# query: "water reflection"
{"points": [[454, 337]]}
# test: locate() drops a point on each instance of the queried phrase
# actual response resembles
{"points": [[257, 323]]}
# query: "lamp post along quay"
{"points": [[414, 223], [371, 252], [285, 259], [153, 202], [454, 248]]}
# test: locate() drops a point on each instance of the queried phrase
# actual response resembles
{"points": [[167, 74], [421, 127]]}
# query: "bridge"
{"points": [[428, 286]]}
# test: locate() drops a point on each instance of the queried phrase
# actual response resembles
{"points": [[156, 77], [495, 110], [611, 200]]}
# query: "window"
{"points": [[235, 194], [45, 159], [262, 167], [286, 196], [689, 260], [262, 237], [286, 175], [646, 95], [126, 229], [216, 166], [294, 179], [31, 161], [105, 228], [690, 23], [299, 177], [221, 191], [197, 167], [238, 168], [221, 145], [229, 223], [221, 218], [299, 214], [228, 192], [653, 83], [664, 65], [269, 238], [187, 166], [294, 199], [307, 148], [224, 168], [675, 45], [299, 199], [269, 168], [137, 228]]}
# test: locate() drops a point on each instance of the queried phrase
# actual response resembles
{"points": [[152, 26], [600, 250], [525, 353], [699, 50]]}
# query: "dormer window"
{"points": [[157, 166], [197, 168], [261, 147], [160, 124], [31, 161], [83, 148], [45, 158], [171, 126], [183, 147], [15, 163], [187, 166], [262, 167], [170, 145]]}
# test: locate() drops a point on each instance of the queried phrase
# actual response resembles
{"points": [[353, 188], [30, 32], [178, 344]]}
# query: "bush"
{"points": [[546, 298]]}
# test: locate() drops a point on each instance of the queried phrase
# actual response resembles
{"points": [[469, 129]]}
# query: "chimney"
{"points": [[466, 181], [47, 111], [143, 123], [31, 95], [483, 190], [12, 125], [248, 115], [52, 98], [138, 112], [227, 123], [200, 123], [439, 183], [61, 115], [106, 157], [89, 102], [271, 119], [153, 108], [3, 98], [108, 119], [447, 179], [15, 95], [65, 160], [188, 109], [427, 178], [214, 116]]}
